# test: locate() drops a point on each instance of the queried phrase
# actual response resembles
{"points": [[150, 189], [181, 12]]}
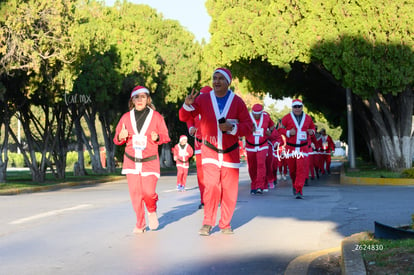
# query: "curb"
{"points": [[351, 258], [352, 262], [372, 181], [301, 264]]}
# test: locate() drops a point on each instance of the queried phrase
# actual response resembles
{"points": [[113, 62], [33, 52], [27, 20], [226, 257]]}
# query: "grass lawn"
{"points": [[388, 256], [22, 179], [369, 170]]}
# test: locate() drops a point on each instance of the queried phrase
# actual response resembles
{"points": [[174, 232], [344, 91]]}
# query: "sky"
{"points": [[191, 14]]}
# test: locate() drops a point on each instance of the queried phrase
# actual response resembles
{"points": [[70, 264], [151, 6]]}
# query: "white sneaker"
{"points": [[284, 177], [265, 190], [279, 177], [153, 220], [139, 230]]}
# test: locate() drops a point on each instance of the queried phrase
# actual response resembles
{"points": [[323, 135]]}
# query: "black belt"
{"points": [[297, 145], [260, 144], [199, 140], [231, 148], [134, 159], [182, 161]]}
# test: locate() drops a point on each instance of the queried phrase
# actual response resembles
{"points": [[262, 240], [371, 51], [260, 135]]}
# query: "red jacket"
{"points": [[148, 149], [257, 140], [221, 149], [327, 144], [183, 155], [297, 143]]}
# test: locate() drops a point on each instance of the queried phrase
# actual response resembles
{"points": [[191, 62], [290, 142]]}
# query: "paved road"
{"points": [[87, 230]]}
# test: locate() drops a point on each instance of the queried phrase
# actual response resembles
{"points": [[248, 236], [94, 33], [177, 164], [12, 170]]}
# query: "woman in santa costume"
{"points": [[142, 129], [182, 153], [195, 131], [257, 148], [224, 118], [296, 127]]}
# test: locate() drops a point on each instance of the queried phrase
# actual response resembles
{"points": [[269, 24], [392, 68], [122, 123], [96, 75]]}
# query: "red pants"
{"points": [[270, 168], [275, 165], [182, 175], [282, 164], [325, 162], [298, 171], [142, 191], [221, 188], [257, 169], [317, 161], [200, 177], [311, 162]]}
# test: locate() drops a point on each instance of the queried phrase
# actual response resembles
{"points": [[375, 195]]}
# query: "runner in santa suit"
{"points": [[283, 169], [257, 148], [297, 126], [328, 147], [195, 131], [274, 141], [224, 118], [317, 152], [311, 157], [142, 129], [182, 152]]}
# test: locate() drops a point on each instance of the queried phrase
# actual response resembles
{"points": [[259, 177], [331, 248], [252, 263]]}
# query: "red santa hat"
{"points": [[183, 137], [225, 72], [297, 102], [139, 90], [205, 89], [257, 109]]}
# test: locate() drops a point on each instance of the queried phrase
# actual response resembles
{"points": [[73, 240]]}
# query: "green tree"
{"points": [[35, 47], [317, 49]]}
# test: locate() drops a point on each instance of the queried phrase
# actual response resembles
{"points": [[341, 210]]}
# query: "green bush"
{"points": [[408, 173], [71, 158], [15, 160]]}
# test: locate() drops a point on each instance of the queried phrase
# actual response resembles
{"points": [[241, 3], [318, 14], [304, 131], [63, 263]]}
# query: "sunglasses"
{"points": [[297, 106]]}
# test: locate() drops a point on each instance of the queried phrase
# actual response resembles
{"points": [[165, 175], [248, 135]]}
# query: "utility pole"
{"points": [[351, 144]]}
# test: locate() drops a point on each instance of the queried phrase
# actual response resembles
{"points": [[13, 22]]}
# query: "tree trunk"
{"points": [[109, 145], [4, 151], [385, 122], [94, 149], [3, 172], [79, 169]]}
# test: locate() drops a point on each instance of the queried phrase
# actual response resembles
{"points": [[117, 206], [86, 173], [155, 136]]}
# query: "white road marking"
{"points": [[49, 213]]}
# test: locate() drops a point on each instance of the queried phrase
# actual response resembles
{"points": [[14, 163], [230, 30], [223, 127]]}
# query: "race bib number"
{"points": [[325, 145], [139, 142], [258, 132], [302, 136], [182, 153]]}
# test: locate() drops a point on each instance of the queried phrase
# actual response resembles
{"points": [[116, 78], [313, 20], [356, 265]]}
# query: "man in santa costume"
{"points": [[296, 127], [327, 147], [195, 131], [273, 158], [142, 129], [182, 152], [224, 118], [257, 148]]}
